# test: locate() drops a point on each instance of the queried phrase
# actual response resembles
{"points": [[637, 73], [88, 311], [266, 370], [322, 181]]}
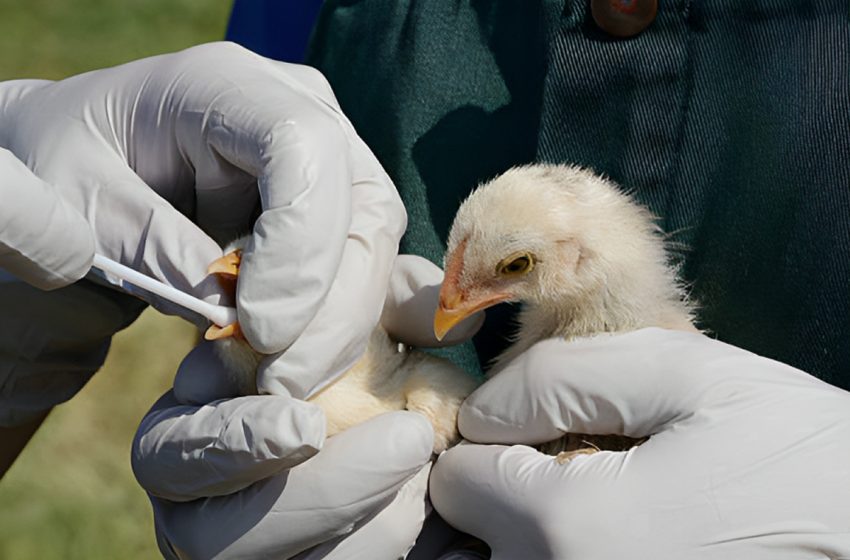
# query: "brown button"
{"points": [[623, 18]]}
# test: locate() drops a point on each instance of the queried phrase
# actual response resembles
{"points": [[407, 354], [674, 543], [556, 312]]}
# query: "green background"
{"points": [[72, 495]]}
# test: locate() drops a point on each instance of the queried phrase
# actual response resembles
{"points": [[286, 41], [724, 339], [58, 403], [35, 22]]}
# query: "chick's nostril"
{"points": [[450, 299]]}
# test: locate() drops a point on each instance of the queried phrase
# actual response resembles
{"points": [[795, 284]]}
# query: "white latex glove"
{"points": [[232, 479], [43, 239], [165, 154], [749, 458]]}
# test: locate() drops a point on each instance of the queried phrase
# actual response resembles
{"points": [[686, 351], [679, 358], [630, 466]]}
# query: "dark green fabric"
{"points": [[446, 94], [730, 119]]}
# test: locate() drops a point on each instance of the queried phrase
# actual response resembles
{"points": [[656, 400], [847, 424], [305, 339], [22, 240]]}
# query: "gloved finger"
{"points": [[337, 335], [523, 503], [44, 241], [202, 378], [299, 153], [412, 298], [184, 452], [390, 533], [631, 384], [357, 473], [313, 81]]}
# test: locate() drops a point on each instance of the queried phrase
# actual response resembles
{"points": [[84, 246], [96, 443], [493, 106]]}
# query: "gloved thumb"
{"points": [[412, 297], [185, 452], [632, 384], [505, 494]]}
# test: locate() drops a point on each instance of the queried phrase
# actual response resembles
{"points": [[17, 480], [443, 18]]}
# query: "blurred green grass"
{"points": [[57, 38], [71, 495]]}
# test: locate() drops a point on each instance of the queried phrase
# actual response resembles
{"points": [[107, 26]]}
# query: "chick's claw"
{"points": [[226, 270], [226, 266], [217, 333], [566, 456]]}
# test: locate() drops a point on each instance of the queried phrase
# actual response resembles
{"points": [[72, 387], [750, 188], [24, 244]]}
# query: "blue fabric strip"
{"points": [[274, 28]]}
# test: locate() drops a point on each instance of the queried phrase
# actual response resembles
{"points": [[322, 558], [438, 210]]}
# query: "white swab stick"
{"points": [[218, 314]]}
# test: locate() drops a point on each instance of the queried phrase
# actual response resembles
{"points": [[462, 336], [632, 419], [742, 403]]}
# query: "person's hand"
{"points": [[164, 158], [232, 479], [167, 155], [244, 478], [749, 458], [44, 241]]}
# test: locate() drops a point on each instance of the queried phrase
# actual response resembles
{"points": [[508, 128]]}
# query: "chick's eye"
{"points": [[515, 265]]}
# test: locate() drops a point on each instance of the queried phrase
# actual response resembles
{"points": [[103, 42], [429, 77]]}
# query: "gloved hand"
{"points": [[749, 458], [43, 239], [168, 155], [243, 478]]}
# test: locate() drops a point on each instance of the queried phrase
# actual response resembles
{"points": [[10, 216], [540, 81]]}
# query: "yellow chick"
{"points": [[581, 256]]}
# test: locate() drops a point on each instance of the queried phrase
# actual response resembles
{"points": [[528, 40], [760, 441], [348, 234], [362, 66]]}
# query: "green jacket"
{"points": [[729, 119]]}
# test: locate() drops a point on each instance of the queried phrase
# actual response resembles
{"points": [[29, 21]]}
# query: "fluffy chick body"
{"points": [[387, 377]]}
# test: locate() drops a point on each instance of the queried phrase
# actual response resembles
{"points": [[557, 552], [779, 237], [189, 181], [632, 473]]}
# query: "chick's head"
{"points": [[541, 235]]}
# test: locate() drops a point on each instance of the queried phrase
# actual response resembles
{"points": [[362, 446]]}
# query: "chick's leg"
{"points": [[436, 389]]}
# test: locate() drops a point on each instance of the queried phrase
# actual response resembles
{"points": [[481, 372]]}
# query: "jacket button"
{"points": [[623, 18]]}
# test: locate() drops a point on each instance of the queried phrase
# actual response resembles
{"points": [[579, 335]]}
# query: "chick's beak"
{"points": [[457, 303], [455, 307], [450, 311]]}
